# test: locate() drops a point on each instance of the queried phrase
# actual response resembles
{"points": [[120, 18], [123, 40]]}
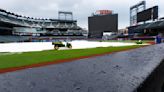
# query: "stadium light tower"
{"points": [[65, 15]]}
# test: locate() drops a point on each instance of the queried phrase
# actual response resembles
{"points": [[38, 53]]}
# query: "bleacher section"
{"points": [[4, 39], [148, 29], [11, 21]]}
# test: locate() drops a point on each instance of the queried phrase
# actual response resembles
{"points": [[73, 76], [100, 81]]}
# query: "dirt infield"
{"points": [[57, 62]]}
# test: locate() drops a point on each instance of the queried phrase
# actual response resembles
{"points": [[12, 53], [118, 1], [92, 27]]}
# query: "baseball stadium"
{"points": [[59, 52], [20, 34]]}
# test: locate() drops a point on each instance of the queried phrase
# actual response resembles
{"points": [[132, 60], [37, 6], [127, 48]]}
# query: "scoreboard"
{"points": [[148, 14]]}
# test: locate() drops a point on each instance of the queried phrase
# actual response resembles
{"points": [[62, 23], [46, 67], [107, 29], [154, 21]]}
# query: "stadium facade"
{"points": [[14, 24], [102, 22], [147, 24]]}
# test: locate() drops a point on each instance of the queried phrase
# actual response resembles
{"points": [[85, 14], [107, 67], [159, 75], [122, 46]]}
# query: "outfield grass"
{"points": [[28, 58]]}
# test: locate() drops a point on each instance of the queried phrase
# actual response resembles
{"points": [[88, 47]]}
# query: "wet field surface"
{"points": [[118, 72], [41, 46]]}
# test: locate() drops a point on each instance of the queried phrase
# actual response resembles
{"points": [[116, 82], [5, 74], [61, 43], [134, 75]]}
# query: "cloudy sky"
{"points": [[80, 8]]}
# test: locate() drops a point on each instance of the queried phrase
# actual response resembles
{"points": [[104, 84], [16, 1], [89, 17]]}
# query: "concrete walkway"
{"points": [[119, 72]]}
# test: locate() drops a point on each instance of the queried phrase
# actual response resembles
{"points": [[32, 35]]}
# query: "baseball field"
{"points": [[10, 60]]}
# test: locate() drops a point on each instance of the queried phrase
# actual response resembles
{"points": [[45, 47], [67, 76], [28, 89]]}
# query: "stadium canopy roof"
{"points": [[35, 19], [141, 27], [153, 25], [161, 24], [161, 18], [2, 10]]}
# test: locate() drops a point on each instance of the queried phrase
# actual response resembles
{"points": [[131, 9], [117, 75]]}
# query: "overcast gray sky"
{"points": [[80, 8]]}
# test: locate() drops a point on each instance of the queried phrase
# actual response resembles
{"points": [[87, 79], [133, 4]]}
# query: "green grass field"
{"points": [[28, 58]]}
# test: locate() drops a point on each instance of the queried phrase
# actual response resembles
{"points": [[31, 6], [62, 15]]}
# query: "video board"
{"points": [[148, 14]]}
